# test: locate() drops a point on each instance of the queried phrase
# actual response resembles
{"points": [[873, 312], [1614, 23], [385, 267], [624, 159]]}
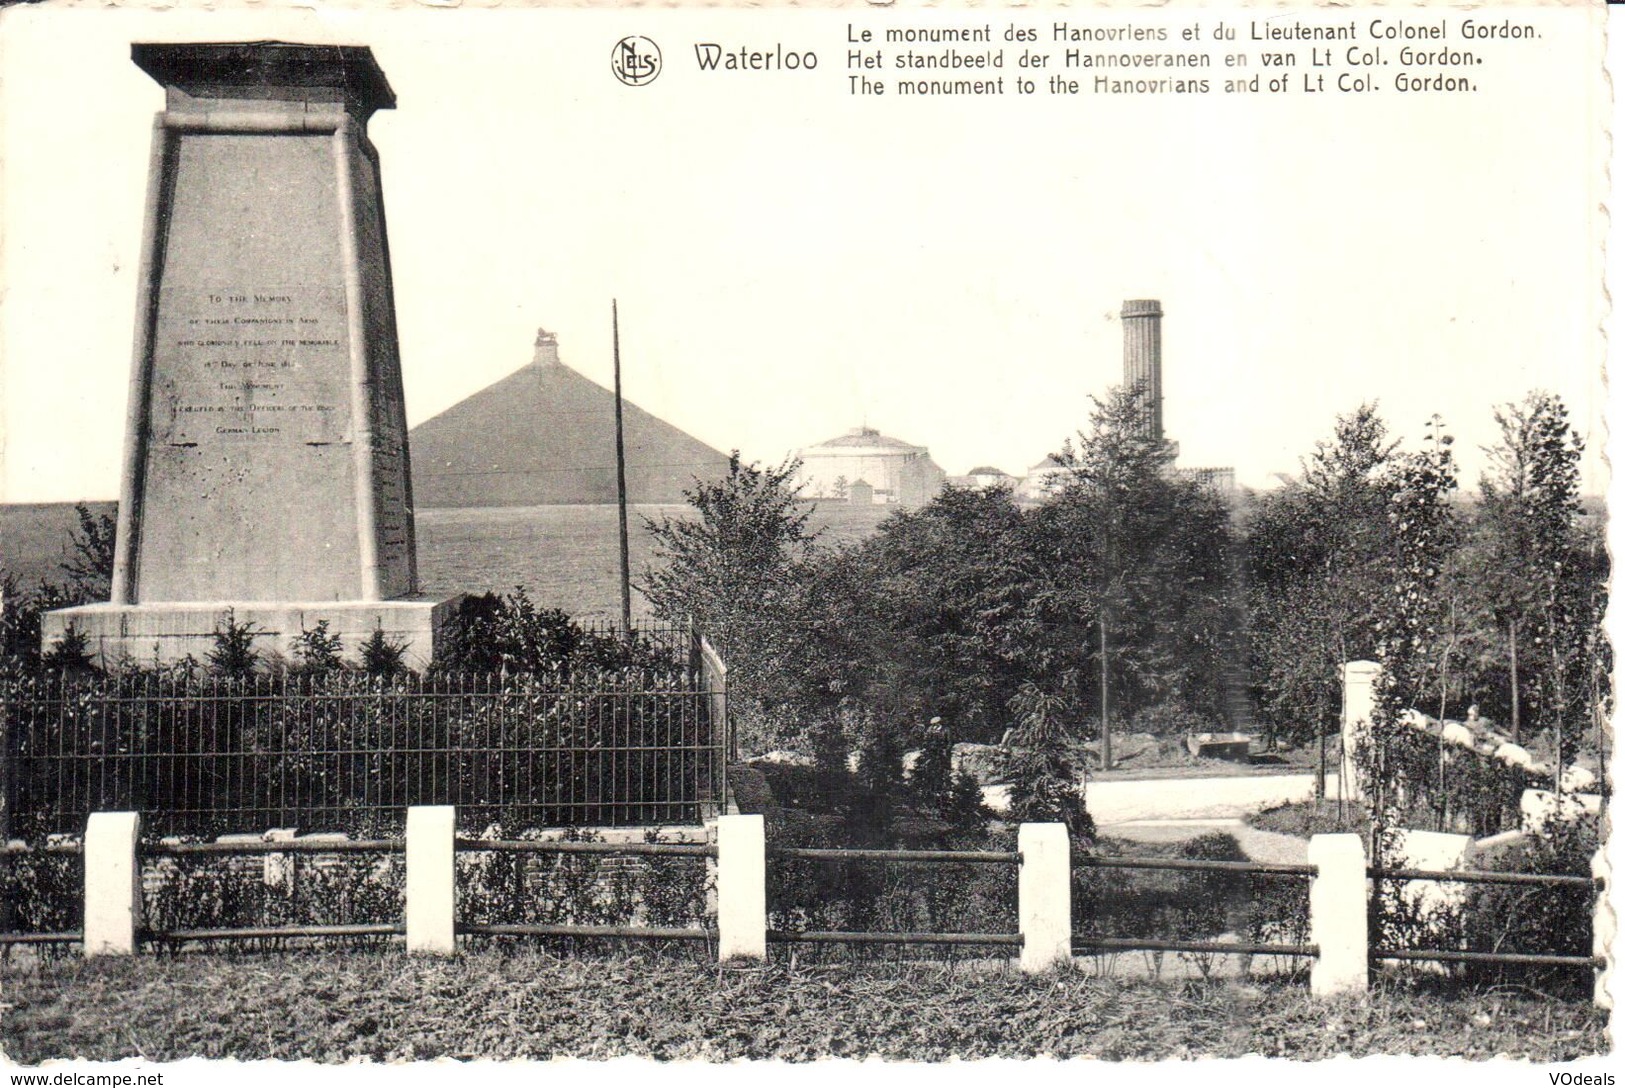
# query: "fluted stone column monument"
{"points": [[265, 462]]}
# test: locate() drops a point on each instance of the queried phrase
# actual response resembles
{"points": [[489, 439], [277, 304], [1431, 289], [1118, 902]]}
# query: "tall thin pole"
{"points": [[620, 476], [1105, 699]]}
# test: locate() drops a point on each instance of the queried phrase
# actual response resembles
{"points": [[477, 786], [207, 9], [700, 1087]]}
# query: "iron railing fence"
{"points": [[1547, 883], [207, 755]]}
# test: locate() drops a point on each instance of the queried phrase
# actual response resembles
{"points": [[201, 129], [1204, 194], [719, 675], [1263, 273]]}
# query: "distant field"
{"points": [[34, 539], [566, 556]]}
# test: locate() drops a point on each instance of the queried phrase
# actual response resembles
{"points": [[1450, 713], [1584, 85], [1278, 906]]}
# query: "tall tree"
{"points": [[1424, 536], [1318, 569], [1145, 550], [1540, 579], [731, 568]]}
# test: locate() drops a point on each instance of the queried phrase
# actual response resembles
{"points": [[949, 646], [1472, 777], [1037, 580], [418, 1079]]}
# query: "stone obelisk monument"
{"points": [[265, 460]]}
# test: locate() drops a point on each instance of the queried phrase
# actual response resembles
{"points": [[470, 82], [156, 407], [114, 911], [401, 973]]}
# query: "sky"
{"points": [[792, 261]]}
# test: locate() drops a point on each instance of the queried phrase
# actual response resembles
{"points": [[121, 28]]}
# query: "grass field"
{"points": [[531, 1005], [566, 556]]}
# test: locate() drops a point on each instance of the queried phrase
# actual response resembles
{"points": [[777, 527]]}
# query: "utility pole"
{"points": [[1105, 699], [620, 476]]}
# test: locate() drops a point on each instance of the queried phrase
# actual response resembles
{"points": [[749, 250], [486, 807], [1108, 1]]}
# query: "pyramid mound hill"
{"points": [[546, 435]]}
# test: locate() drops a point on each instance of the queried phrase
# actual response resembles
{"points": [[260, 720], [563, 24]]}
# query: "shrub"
{"points": [[233, 653], [1535, 918], [382, 658], [1162, 904], [1171, 720], [582, 889], [45, 892], [317, 651], [511, 636], [225, 892], [1046, 782], [70, 654]]}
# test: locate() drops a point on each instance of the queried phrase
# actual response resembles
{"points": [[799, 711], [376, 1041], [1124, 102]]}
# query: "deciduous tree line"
{"points": [[1492, 599], [1127, 592]]}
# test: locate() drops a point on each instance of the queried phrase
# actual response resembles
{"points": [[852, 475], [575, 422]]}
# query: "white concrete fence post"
{"points": [[1044, 890], [1337, 915], [431, 879], [741, 888], [1604, 924], [112, 883]]}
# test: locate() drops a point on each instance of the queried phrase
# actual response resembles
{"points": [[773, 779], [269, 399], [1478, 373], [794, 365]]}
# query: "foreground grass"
{"points": [[528, 1004]]}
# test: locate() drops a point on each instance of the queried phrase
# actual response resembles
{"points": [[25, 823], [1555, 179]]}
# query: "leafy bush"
{"points": [[1172, 720], [826, 806], [1467, 791], [317, 651], [1046, 781], [512, 636], [382, 658], [1535, 918], [220, 892], [1160, 903], [582, 889], [44, 892], [70, 654]]}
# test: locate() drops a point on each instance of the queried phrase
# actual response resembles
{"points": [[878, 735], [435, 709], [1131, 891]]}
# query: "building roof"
{"points": [[864, 438], [987, 470]]}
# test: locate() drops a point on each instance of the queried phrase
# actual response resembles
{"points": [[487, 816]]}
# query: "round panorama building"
{"points": [[865, 465]]}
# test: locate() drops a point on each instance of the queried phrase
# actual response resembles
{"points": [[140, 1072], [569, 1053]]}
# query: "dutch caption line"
{"points": [[1366, 55]]}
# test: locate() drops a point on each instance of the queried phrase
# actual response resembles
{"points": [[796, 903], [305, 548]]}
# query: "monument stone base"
{"points": [[144, 634]]}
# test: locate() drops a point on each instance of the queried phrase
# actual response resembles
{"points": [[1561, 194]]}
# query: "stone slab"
{"points": [[164, 633]]}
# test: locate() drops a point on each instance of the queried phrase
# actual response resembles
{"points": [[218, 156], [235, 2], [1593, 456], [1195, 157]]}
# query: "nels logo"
{"points": [[635, 61]]}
